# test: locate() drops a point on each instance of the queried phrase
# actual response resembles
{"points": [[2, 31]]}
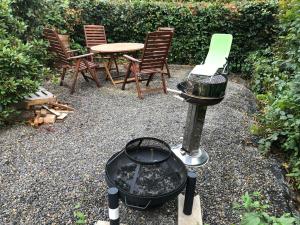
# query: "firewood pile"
{"points": [[47, 110], [50, 113]]}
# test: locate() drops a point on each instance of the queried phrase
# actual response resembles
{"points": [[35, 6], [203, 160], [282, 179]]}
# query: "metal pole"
{"points": [[190, 152], [113, 204], [189, 193], [193, 128]]}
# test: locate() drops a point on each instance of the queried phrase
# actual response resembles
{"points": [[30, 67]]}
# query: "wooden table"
{"points": [[115, 48]]}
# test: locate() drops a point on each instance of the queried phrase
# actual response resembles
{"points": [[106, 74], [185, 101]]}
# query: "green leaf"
{"points": [[77, 206], [286, 220], [250, 219]]}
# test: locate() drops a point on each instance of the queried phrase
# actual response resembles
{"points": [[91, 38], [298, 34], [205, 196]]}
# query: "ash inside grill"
{"points": [[204, 86], [145, 180], [217, 79]]}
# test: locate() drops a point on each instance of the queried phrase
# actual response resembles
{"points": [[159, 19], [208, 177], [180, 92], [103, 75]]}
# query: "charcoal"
{"points": [[217, 79], [152, 179]]}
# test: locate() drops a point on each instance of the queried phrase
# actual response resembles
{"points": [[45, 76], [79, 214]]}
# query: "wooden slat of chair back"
{"points": [[166, 29], [56, 45], [156, 50], [94, 35]]}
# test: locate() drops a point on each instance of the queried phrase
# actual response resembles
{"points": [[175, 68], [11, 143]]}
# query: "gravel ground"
{"points": [[45, 172]]}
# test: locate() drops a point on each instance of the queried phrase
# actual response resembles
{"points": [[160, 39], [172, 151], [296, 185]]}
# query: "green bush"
{"points": [[275, 80], [254, 212], [38, 14], [251, 23], [20, 66]]}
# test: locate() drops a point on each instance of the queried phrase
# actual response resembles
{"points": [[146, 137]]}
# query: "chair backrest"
{"points": [[156, 50], [166, 29], [219, 50], [56, 45], [94, 35]]}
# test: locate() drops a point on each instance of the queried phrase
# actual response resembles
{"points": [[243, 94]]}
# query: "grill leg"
{"points": [[189, 193], [113, 204]]}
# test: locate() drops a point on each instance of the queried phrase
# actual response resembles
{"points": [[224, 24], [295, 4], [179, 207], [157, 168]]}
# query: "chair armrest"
{"points": [[225, 70], [131, 59], [81, 56], [71, 51]]}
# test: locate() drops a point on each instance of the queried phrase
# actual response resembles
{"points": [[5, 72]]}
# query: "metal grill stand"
{"points": [[199, 93], [190, 152]]}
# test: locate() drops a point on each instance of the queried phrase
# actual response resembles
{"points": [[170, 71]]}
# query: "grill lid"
{"points": [[148, 150], [146, 167]]}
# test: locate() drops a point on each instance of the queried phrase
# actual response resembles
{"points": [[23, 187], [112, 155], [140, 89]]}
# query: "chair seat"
{"points": [[83, 66], [145, 71], [148, 71]]}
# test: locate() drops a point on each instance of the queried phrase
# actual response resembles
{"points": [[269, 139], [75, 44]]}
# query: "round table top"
{"points": [[117, 47]]}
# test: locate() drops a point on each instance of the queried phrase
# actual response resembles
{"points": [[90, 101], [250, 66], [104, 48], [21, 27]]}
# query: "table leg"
{"points": [[107, 71]]}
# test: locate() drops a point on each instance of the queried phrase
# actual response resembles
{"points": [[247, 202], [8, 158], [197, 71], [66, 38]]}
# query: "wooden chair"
{"points": [[66, 60], [166, 63], [154, 56], [95, 35]]}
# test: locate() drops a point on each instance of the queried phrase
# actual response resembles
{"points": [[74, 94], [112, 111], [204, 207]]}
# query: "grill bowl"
{"points": [[203, 90], [133, 198]]}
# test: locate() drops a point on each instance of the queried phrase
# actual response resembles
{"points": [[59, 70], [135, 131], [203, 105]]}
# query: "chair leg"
{"points": [[84, 76], [126, 76], [168, 70], [93, 73], [138, 88], [117, 68], [75, 76], [164, 87], [62, 77], [95, 77], [149, 79]]}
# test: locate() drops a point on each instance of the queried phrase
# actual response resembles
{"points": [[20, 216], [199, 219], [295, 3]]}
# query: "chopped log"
{"points": [[62, 106], [53, 111], [41, 120], [43, 112], [31, 122], [49, 118], [62, 116], [64, 111], [36, 120], [37, 107]]}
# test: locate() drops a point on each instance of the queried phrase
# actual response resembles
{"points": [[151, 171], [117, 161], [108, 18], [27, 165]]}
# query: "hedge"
{"points": [[253, 25]]}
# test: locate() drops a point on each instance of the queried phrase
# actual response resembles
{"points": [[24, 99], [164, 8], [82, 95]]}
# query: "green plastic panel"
{"points": [[219, 50]]}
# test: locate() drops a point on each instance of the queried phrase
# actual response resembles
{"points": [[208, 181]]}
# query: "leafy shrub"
{"points": [[275, 80], [253, 25], [254, 212], [20, 66], [38, 14]]}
